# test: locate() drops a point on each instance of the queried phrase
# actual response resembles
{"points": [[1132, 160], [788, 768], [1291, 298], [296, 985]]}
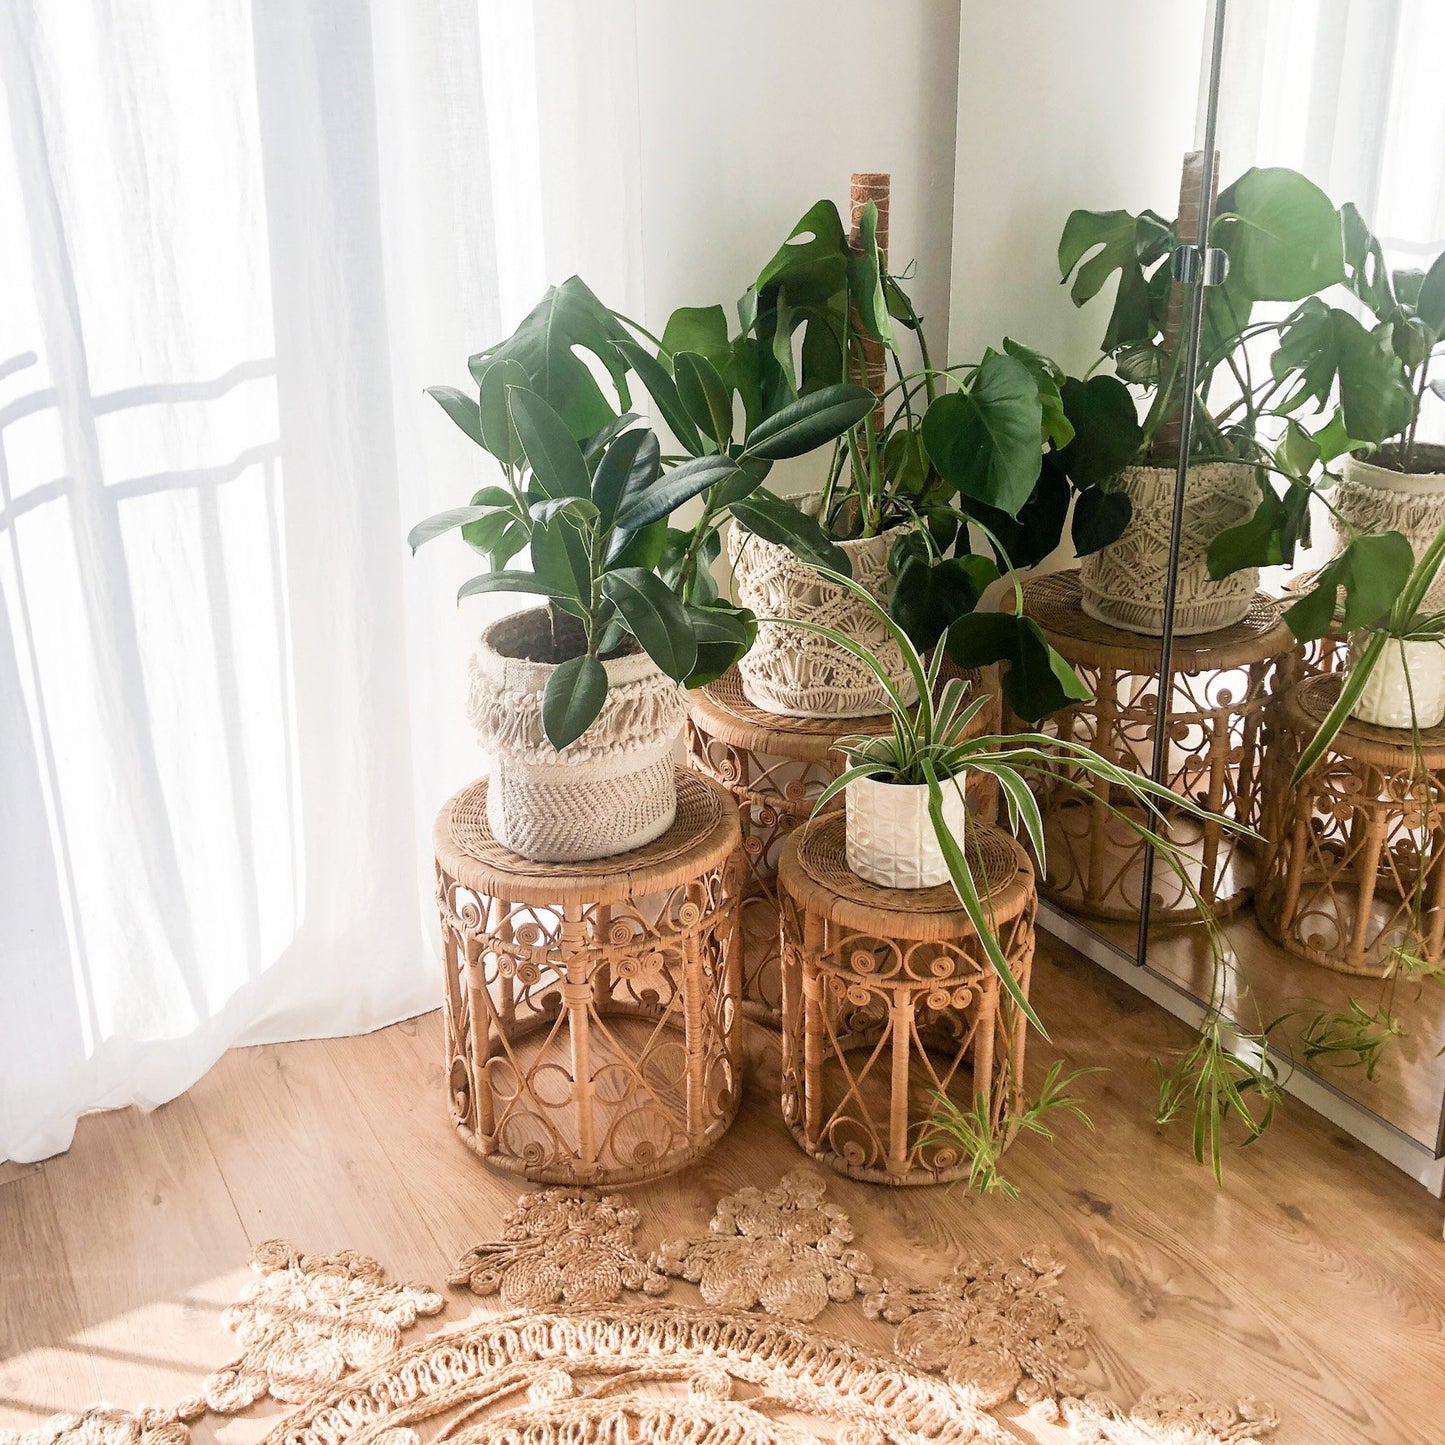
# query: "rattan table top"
{"points": [[1307, 704], [705, 833], [813, 869], [1055, 602]]}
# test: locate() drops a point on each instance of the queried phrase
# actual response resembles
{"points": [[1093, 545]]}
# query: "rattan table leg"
{"points": [[900, 1023]]}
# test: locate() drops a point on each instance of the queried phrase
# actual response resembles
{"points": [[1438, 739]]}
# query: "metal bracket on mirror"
{"points": [[1202, 265]]}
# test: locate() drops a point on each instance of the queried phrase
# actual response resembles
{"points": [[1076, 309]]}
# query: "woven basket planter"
{"points": [[612, 790], [890, 839], [1123, 583], [1375, 499], [795, 673], [1407, 686]]}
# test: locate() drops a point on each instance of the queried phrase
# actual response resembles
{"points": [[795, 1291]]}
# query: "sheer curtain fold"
{"points": [[238, 239]]}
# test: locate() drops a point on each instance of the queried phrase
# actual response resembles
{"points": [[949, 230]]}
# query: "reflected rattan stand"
{"points": [[1218, 690], [591, 1008], [775, 767], [1356, 861], [890, 1000]]}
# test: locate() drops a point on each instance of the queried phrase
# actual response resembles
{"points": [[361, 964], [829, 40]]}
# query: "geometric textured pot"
{"points": [[1123, 583], [890, 838], [612, 790]]}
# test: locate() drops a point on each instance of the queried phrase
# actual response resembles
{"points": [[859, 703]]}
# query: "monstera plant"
{"points": [[1283, 242]]}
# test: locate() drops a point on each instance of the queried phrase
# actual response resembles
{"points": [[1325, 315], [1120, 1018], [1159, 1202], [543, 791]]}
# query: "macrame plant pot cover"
{"points": [[1406, 688], [890, 838], [796, 673], [612, 790], [1375, 499], [1123, 583]]}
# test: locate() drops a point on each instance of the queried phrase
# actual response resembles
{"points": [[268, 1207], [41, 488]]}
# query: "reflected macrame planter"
{"points": [[1219, 687]]}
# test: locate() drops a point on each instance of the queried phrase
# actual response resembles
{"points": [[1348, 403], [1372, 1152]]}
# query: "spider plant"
{"points": [[983, 1141], [929, 745]]}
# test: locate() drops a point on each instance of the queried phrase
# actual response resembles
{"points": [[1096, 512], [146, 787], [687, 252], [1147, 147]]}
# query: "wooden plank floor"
{"points": [[1315, 1278]]}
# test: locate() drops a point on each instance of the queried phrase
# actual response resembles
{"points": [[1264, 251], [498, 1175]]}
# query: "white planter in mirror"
{"points": [[1375, 499]]}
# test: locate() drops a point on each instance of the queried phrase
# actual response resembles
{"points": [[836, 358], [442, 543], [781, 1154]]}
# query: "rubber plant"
{"points": [[588, 490]]}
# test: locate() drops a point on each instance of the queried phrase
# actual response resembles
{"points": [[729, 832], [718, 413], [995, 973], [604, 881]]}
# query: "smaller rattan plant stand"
{"points": [[591, 1008], [889, 1000], [1355, 866], [775, 767], [1219, 687]]}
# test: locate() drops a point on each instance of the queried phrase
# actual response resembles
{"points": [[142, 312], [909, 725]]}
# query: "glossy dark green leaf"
{"points": [[494, 415], [865, 279], [568, 319], [442, 522], [603, 437], [985, 440], [573, 699], [705, 395], [1282, 233], [663, 391], [1323, 345], [703, 329], [642, 548], [559, 557], [809, 422], [1100, 519], [1254, 542], [1107, 433], [1036, 680], [655, 617], [674, 488], [558, 469], [1369, 277], [1430, 303], [527, 582], [928, 598], [775, 520], [1039, 527], [461, 408], [723, 633], [629, 466], [1049, 377]]}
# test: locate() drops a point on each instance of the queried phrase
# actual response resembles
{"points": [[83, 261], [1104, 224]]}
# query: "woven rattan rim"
{"points": [[702, 836], [1310, 702], [723, 710], [814, 869], [1055, 603]]}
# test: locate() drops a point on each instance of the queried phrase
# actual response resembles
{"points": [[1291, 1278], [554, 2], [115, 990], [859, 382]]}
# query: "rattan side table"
{"points": [[890, 1000], [591, 1008], [1219, 687], [1355, 866], [775, 767]]}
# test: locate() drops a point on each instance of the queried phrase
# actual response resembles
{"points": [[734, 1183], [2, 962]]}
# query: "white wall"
{"points": [[1060, 105], [751, 110]]}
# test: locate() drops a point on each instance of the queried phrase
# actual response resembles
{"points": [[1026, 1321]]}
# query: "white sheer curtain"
{"points": [[237, 239]]}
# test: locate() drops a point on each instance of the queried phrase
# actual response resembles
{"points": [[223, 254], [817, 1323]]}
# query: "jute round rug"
{"points": [[664, 1375]]}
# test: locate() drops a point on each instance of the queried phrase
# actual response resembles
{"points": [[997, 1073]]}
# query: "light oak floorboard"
{"points": [[1315, 1278]]}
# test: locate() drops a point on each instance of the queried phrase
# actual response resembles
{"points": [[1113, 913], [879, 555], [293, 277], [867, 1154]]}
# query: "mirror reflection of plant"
{"points": [[1370, 383]]}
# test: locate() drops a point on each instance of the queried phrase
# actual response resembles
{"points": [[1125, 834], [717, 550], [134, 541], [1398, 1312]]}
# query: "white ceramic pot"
{"points": [[612, 790], [1123, 583], [796, 673], [1376, 499], [1406, 687], [889, 837]]}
